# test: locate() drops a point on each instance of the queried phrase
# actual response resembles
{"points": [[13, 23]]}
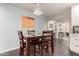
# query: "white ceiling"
{"points": [[49, 9]]}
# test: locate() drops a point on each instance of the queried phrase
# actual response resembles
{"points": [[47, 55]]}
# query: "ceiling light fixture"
{"points": [[37, 10]]}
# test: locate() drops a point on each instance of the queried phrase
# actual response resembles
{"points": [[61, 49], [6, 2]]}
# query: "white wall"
{"points": [[10, 23], [74, 39], [63, 16]]}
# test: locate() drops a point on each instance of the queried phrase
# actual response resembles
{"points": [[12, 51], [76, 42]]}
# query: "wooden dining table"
{"points": [[37, 37]]}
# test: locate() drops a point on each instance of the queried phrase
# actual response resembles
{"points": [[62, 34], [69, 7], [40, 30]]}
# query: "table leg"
{"points": [[28, 47], [52, 45]]}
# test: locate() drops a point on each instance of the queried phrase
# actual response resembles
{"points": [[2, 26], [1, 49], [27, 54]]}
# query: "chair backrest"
{"points": [[22, 39], [20, 34], [31, 32], [47, 33]]}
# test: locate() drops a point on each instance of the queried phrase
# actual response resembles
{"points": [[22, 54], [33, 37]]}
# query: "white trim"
{"points": [[9, 50], [74, 51]]}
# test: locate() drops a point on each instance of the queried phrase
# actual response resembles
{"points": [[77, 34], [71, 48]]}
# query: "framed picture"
{"points": [[61, 34], [76, 29], [67, 34], [27, 22], [51, 25]]}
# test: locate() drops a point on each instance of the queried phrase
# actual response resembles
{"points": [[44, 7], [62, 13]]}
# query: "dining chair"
{"points": [[43, 45], [22, 43], [49, 39], [36, 42], [31, 32], [39, 46]]}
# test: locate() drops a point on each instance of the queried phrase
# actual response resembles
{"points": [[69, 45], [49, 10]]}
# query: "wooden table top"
{"points": [[37, 36]]}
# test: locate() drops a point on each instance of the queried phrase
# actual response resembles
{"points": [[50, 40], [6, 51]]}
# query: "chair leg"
{"points": [[47, 49], [34, 49], [42, 50], [39, 49], [52, 48], [21, 53]]}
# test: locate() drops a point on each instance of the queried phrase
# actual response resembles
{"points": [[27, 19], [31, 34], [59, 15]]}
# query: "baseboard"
{"points": [[9, 50], [74, 51]]}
